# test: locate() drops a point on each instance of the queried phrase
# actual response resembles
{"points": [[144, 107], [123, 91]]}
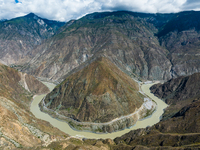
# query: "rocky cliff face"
{"points": [[150, 46], [180, 36], [98, 93], [178, 92], [179, 89], [20, 35], [127, 40], [32, 85]]}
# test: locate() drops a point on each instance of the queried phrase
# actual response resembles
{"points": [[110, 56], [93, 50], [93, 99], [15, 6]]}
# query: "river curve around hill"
{"points": [[63, 126]]}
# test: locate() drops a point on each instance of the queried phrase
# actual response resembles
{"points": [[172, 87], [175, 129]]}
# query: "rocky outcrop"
{"points": [[178, 89]]}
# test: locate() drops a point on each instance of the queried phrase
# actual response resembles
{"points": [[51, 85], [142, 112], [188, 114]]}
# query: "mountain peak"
{"points": [[99, 92], [31, 15]]}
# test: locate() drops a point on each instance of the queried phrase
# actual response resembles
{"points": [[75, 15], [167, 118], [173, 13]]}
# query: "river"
{"points": [[63, 126]]}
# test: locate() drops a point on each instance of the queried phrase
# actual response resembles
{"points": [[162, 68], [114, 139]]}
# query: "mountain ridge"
{"points": [[20, 35], [129, 42]]}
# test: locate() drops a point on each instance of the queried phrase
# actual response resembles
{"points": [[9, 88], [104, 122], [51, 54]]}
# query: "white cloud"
{"points": [[191, 4], [65, 10], [151, 6]]}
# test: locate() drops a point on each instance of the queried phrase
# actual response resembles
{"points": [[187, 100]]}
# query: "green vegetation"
{"points": [[76, 141], [74, 125], [98, 130], [149, 113], [182, 21], [55, 146]]}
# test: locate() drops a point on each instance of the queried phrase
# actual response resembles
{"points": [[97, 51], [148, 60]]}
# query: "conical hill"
{"points": [[98, 93]]}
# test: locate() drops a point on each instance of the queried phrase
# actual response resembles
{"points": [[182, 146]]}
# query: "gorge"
{"points": [[96, 63]]}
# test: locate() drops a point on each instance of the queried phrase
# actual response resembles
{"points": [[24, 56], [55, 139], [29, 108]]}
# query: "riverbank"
{"points": [[147, 108], [63, 126]]}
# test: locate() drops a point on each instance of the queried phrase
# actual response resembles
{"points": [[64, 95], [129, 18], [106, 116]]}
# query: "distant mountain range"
{"points": [[127, 40], [21, 35], [147, 46]]}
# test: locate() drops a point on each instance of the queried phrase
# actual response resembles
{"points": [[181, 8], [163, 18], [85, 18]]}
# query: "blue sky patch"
{"points": [[16, 1]]}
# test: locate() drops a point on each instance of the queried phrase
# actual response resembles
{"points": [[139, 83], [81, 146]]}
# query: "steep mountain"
{"points": [[20, 35], [151, 46], [178, 89], [94, 93], [13, 83], [180, 36], [18, 126], [128, 40], [178, 92], [98, 93], [180, 129]]}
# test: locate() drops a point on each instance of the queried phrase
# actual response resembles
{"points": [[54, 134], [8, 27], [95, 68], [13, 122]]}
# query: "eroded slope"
{"points": [[127, 40], [20, 35], [98, 93], [18, 127], [178, 92]]}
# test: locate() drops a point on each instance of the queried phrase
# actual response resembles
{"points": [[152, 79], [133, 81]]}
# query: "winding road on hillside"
{"points": [[63, 126]]}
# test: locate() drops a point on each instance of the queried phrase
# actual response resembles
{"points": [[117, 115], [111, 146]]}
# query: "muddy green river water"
{"points": [[63, 126]]}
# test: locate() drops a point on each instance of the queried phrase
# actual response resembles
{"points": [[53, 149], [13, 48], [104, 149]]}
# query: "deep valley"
{"points": [[98, 64]]}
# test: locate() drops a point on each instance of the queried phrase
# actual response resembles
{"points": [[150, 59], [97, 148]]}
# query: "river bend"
{"points": [[63, 126]]}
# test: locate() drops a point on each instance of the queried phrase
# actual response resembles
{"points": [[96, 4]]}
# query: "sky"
{"points": [[65, 10]]}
